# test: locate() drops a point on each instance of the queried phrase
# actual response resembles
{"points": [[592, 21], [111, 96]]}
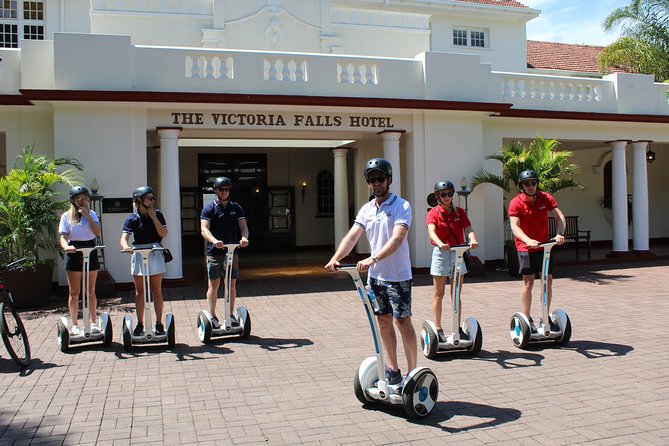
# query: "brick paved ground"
{"points": [[291, 382]]}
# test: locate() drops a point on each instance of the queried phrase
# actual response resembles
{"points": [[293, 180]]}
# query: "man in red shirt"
{"points": [[528, 215]]}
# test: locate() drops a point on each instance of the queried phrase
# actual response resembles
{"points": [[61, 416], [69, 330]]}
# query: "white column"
{"points": [[169, 195], [391, 152], [340, 195], [619, 197], [640, 197]]}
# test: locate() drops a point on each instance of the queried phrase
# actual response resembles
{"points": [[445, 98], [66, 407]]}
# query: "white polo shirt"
{"points": [[378, 223]]}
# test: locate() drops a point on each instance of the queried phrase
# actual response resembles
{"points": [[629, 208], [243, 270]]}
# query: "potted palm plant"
{"points": [[542, 155], [29, 211]]}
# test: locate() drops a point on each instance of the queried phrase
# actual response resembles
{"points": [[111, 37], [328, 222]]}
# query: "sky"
{"points": [[573, 21]]}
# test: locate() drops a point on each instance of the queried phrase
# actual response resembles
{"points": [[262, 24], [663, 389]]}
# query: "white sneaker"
{"points": [[75, 330], [95, 328]]}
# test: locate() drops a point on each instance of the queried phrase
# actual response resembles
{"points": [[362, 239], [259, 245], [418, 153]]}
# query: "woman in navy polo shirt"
{"points": [[147, 225]]}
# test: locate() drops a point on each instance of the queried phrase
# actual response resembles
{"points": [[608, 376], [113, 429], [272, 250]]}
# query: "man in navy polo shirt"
{"points": [[222, 221]]}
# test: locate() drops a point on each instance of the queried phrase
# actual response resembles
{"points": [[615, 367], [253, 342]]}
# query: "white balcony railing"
{"points": [[164, 7]]}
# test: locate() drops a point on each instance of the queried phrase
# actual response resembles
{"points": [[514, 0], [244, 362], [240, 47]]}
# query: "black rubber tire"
{"points": [[522, 339], [566, 333], [63, 337], [127, 337], [171, 334], [109, 334], [14, 335], [204, 327], [430, 347], [419, 395], [476, 346], [246, 332], [370, 376]]}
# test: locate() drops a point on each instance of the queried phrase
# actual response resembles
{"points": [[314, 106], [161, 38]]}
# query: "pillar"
{"points": [[340, 194], [391, 152], [169, 195], [640, 197], [619, 197]]}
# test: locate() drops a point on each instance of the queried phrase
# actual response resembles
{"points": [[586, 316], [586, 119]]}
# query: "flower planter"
{"points": [[30, 288]]}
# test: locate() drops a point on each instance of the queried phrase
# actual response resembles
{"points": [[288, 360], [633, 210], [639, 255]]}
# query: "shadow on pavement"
{"points": [[7, 365], [595, 349], [276, 344], [511, 359]]}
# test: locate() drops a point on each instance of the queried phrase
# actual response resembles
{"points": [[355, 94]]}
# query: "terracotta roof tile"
{"points": [[511, 3], [563, 56]]}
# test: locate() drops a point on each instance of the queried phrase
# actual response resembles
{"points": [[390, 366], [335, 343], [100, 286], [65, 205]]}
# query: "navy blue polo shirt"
{"points": [[223, 224], [142, 228]]}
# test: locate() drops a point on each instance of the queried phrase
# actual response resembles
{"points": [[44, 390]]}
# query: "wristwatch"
{"points": [[376, 259]]}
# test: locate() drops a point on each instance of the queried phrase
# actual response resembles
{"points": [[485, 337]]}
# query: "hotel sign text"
{"points": [[280, 120]]}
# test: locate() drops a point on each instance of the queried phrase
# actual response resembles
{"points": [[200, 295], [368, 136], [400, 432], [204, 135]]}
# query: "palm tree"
{"points": [[552, 165], [29, 204], [644, 45]]}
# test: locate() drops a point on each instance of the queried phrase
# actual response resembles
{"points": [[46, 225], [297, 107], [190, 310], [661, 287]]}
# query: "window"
{"points": [[475, 38], [30, 22], [459, 37], [325, 194]]}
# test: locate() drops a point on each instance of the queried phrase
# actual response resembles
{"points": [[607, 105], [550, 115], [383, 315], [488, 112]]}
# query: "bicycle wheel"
{"points": [[14, 335]]}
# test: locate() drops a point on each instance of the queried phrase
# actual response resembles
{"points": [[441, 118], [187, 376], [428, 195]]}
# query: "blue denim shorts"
{"points": [[393, 297], [216, 267], [156, 264], [443, 263]]}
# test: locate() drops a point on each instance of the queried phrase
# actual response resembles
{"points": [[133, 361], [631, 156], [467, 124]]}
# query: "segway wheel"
{"points": [[127, 336], [63, 337], [419, 395], [429, 341], [171, 331], [519, 331], [108, 334], [204, 327], [364, 379], [244, 319], [566, 332], [478, 341]]}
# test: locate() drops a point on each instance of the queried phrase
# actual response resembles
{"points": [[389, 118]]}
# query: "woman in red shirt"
{"points": [[446, 225]]}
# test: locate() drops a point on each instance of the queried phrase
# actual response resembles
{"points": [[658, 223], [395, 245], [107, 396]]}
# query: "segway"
{"points": [[429, 337], [206, 329], [523, 333], [149, 336], [417, 392], [104, 334]]}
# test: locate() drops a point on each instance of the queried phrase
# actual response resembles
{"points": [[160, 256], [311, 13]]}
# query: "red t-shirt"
{"points": [[441, 219], [533, 217]]}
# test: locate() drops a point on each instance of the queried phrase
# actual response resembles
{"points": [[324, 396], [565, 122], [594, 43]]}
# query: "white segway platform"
{"points": [[241, 327], [66, 340], [417, 393], [522, 332], [429, 338], [149, 336]]}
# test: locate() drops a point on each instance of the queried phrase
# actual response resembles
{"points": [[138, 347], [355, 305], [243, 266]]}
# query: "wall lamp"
{"points": [[304, 189], [650, 155]]}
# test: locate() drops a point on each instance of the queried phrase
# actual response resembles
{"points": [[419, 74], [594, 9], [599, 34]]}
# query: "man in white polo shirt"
{"points": [[386, 220]]}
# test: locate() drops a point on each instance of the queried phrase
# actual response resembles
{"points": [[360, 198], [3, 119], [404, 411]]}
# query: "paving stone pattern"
{"points": [[291, 381]]}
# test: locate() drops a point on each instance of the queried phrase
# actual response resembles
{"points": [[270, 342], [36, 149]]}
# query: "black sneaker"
{"points": [[215, 323], [554, 326], [233, 320], [139, 329], [441, 335], [160, 330], [393, 377], [533, 328], [463, 335]]}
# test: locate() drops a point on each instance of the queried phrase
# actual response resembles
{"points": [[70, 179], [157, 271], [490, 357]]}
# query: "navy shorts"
{"points": [[530, 263], [393, 297], [216, 267]]}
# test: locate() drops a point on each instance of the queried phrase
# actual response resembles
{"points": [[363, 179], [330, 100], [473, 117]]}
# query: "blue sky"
{"points": [[572, 21]]}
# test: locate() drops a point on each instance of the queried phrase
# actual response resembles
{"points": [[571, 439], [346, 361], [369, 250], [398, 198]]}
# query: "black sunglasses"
{"points": [[446, 194], [222, 189], [530, 183], [376, 180]]}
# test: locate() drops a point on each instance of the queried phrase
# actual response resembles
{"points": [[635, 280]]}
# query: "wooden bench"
{"points": [[571, 232]]}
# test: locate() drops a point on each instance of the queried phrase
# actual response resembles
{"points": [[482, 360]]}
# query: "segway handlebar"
{"points": [[345, 266]]}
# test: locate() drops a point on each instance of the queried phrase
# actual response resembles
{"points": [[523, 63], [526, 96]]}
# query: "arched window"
{"points": [[325, 194]]}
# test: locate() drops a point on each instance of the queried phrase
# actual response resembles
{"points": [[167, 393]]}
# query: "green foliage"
{"points": [[644, 44], [552, 165], [30, 205]]}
